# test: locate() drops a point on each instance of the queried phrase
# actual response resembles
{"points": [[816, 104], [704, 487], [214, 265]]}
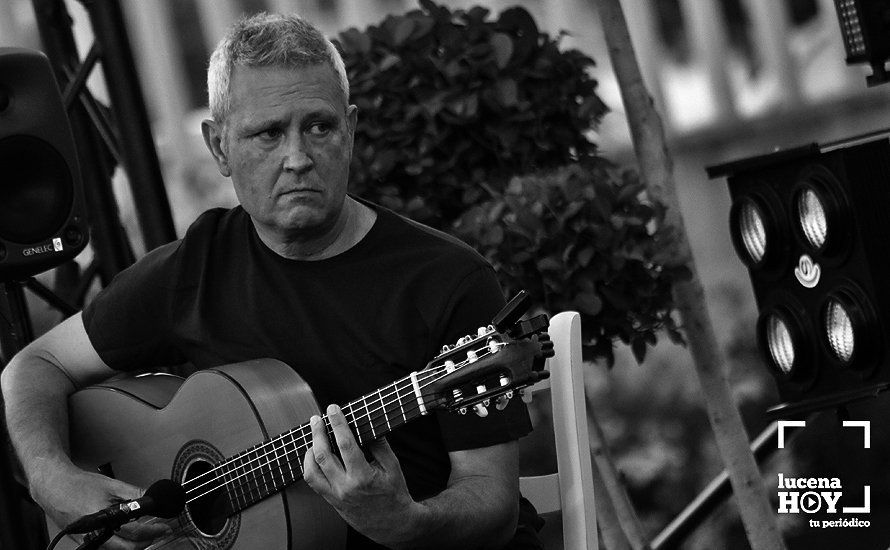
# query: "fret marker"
{"points": [[417, 392]]}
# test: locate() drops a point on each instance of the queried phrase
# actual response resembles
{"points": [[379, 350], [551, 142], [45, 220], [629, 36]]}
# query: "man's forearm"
{"points": [[35, 395], [476, 512]]}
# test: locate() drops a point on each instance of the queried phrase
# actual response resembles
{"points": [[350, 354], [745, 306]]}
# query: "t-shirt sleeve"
{"points": [[475, 301], [129, 321]]}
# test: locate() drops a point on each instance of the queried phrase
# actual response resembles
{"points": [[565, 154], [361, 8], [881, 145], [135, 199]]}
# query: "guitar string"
{"points": [[425, 373], [185, 528], [305, 437], [181, 528], [290, 432], [279, 437], [287, 458]]}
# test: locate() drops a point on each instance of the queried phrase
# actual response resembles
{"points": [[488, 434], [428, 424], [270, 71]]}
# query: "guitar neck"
{"points": [[268, 467]]}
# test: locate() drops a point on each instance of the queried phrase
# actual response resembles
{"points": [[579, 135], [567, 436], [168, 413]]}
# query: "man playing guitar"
{"points": [[347, 293]]}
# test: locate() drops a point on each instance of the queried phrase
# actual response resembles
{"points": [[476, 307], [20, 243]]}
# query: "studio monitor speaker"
{"points": [[42, 218]]}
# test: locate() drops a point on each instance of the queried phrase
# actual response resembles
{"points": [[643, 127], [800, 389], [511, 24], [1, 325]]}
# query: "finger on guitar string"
{"points": [[319, 458], [353, 457]]}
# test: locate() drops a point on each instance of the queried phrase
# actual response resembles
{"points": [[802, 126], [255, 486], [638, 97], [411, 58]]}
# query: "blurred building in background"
{"points": [[731, 78]]}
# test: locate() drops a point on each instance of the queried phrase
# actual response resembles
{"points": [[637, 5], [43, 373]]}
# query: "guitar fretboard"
{"points": [[266, 468]]}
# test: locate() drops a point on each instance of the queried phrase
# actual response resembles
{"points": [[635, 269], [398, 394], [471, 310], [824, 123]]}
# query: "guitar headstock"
{"points": [[499, 359]]}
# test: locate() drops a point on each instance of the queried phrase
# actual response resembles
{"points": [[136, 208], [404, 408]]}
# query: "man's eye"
{"points": [[319, 129], [269, 134]]}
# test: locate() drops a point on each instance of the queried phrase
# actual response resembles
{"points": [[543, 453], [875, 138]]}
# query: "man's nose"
{"points": [[296, 156]]}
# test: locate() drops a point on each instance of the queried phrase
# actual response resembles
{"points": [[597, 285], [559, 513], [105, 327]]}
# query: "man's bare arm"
{"points": [[480, 507], [36, 384]]}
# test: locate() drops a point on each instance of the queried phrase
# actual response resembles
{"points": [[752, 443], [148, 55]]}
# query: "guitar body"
{"points": [[153, 427]]}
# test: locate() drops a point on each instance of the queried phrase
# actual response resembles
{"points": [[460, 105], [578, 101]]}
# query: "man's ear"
{"points": [[351, 121], [213, 138]]}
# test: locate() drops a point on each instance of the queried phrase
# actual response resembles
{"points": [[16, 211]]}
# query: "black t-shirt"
{"points": [[348, 324]]}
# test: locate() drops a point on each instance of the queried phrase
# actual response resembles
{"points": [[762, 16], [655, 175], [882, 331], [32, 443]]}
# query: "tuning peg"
{"points": [[449, 366], [481, 331], [472, 356], [480, 410], [462, 410], [526, 395], [493, 346], [501, 402], [446, 348], [503, 381]]}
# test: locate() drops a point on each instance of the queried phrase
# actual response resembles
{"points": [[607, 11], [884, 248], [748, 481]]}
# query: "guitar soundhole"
{"points": [[209, 511]]}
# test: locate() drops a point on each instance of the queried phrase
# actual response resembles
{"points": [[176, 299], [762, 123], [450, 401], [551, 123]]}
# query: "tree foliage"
{"points": [[480, 127]]}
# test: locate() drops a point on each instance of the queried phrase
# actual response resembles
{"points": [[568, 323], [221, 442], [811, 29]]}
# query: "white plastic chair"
{"points": [[570, 489]]}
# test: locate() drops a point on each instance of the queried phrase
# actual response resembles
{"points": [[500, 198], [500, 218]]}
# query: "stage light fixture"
{"points": [[839, 331], [811, 215], [865, 26], [810, 224], [753, 230], [780, 343], [756, 235]]}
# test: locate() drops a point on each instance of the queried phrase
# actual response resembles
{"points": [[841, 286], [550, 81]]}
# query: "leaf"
{"points": [[507, 92], [519, 23], [391, 60], [422, 27], [355, 41], [549, 263], [616, 298], [638, 346], [403, 31], [494, 236], [502, 45], [585, 255], [588, 302]]}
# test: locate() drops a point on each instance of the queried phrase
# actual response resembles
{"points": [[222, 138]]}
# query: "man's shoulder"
{"points": [[166, 264], [423, 240], [214, 223]]}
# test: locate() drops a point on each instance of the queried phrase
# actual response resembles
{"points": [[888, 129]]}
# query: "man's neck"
{"points": [[354, 222]]}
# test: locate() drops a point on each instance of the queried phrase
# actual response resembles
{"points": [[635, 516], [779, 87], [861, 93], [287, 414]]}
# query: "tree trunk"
{"points": [[656, 167]]}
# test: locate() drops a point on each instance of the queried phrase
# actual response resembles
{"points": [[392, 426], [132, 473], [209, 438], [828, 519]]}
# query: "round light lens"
{"points": [[839, 330], [753, 230], [811, 215], [780, 343]]}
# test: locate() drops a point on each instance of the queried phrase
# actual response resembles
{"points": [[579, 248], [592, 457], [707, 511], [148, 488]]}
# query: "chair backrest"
{"points": [[570, 489]]}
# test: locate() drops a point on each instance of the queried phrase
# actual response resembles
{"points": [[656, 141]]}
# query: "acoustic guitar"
{"points": [[234, 436]]}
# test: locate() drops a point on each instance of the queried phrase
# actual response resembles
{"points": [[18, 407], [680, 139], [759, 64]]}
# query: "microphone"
{"points": [[163, 499]]}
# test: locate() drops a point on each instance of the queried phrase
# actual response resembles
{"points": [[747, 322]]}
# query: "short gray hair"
{"points": [[268, 40]]}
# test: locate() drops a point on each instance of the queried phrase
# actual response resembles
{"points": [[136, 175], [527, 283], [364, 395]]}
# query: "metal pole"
{"points": [[15, 334], [712, 496], [137, 146], [107, 236], [718, 490]]}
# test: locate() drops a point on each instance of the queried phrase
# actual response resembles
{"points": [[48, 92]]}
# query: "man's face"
{"points": [[286, 144]]}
